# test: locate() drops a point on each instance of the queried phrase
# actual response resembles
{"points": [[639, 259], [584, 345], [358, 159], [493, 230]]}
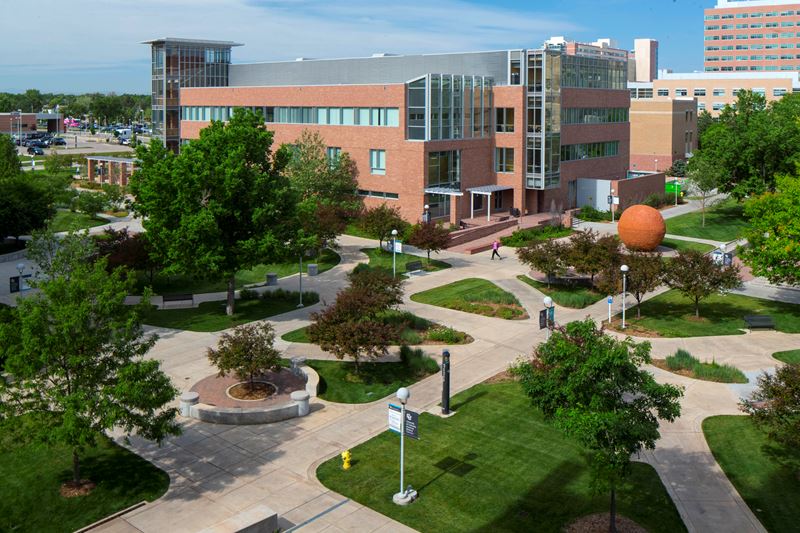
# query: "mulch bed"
{"points": [[259, 391], [598, 523], [70, 489], [212, 389]]}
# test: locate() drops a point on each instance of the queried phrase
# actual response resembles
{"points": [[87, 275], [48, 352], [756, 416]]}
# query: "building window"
{"points": [[504, 160], [377, 161], [779, 92], [573, 152], [379, 194], [719, 92], [594, 115], [699, 92], [505, 119], [717, 106], [663, 92], [681, 92], [477, 202], [333, 154], [444, 169], [701, 106]]}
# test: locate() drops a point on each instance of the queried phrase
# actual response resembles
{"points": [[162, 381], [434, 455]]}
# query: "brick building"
{"points": [[663, 130], [468, 134]]}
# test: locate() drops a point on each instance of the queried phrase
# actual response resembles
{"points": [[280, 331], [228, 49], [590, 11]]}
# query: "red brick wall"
{"points": [[635, 190]]}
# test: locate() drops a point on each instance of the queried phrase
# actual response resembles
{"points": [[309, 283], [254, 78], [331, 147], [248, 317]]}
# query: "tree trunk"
{"points": [[231, 294], [76, 467], [613, 525], [638, 309], [697, 308], [703, 218], [429, 257]]}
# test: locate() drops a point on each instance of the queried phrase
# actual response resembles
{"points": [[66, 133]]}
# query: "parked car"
{"points": [[36, 143], [58, 141], [35, 150]]}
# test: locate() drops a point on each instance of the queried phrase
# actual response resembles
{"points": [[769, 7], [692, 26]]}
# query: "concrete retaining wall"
{"points": [[243, 415]]}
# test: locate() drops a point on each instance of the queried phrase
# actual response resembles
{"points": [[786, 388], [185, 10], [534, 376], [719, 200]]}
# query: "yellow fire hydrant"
{"points": [[346, 455]]}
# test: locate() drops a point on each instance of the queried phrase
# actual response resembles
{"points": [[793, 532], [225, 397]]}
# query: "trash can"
{"points": [[272, 278], [313, 269]]}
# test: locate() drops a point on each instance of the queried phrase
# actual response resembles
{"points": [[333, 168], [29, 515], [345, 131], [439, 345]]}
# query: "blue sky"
{"points": [[78, 46]]}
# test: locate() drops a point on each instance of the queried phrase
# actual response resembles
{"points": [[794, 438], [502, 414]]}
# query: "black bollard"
{"points": [[445, 382]]}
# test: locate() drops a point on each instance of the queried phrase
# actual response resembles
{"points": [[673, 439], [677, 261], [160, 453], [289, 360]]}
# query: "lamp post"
{"points": [[406, 495], [624, 269], [548, 303], [300, 280], [675, 184], [20, 269], [426, 215], [394, 253], [656, 165]]}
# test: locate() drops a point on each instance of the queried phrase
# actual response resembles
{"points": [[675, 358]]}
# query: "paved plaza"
{"points": [[217, 470]]}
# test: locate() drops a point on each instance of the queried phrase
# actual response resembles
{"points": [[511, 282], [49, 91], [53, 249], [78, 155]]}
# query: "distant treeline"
{"points": [[103, 108]]}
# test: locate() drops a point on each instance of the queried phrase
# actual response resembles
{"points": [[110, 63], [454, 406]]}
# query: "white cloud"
{"points": [[100, 38]]}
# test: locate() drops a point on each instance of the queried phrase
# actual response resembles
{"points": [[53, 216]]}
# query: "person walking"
{"points": [[495, 247]]}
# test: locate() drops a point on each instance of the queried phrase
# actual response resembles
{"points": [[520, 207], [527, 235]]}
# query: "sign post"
{"points": [[543, 319], [445, 382], [610, 301], [408, 425]]}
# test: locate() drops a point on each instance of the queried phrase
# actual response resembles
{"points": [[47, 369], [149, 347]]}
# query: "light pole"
{"points": [[426, 215], [300, 280], [656, 165], [624, 269], [548, 303], [406, 495], [675, 184], [394, 253], [20, 269]]}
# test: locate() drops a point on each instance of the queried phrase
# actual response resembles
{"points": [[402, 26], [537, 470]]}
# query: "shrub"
{"points": [[445, 335], [713, 371], [593, 215], [309, 298], [410, 336], [416, 360], [492, 296], [523, 237], [248, 294]]}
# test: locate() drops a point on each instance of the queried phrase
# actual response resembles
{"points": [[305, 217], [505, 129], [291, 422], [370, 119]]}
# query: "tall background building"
{"points": [[752, 36]]}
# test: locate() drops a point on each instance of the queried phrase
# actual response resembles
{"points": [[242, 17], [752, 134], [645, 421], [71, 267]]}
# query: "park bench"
{"points": [[413, 266], [759, 321], [166, 298]]}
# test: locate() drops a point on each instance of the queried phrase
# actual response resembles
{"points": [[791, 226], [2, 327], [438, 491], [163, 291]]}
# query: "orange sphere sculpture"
{"points": [[641, 228]]}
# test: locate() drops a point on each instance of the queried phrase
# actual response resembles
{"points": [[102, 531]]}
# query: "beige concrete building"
{"points": [[663, 130], [714, 90], [644, 60]]}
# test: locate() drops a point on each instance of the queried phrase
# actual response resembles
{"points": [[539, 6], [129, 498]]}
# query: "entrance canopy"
{"points": [[443, 190], [485, 190]]}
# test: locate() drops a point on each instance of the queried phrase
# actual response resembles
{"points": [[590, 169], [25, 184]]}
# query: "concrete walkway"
{"points": [[217, 471]]}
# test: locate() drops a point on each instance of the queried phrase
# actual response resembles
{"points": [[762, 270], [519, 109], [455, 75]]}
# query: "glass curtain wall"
{"points": [[543, 143], [182, 64], [445, 106]]}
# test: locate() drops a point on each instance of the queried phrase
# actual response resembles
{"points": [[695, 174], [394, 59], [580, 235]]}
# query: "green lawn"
{"points": [[383, 259], [473, 295], [672, 315], [32, 474], [724, 222], [765, 474], [210, 316], [679, 245], [572, 296], [789, 356], [415, 330], [340, 383], [164, 284], [494, 466], [355, 230], [68, 220]]}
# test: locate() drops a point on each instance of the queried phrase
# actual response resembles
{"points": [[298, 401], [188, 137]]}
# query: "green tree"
{"points": [[704, 120], [547, 257], [115, 195], [678, 169], [773, 235], [430, 237], [222, 205], [704, 177], [91, 203], [25, 205], [646, 274], [697, 276], [352, 326], [381, 220], [590, 385], [248, 351], [9, 161], [78, 365], [56, 163], [775, 405], [752, 142]]}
